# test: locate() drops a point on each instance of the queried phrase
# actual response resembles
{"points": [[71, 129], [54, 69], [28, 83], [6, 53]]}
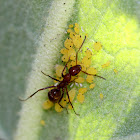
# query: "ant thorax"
{"points": [[75, 70], [67, 77]]}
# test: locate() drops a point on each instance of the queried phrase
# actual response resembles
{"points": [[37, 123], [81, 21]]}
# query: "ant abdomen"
{"points": [[54, 95], [75, 70]]}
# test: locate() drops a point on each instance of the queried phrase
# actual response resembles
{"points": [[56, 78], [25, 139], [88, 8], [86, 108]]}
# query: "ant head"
{"points": [[54, 95], [75, 70]]}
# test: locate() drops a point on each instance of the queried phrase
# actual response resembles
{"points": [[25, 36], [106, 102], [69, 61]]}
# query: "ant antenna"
{"points": [[35, 93], [79, 49], [100, 77], [94, 75]]}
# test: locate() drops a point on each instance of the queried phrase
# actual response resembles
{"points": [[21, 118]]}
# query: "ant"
{"points": [[55, 94]]}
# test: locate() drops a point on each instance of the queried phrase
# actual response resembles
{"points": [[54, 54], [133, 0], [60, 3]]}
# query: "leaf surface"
{"points": [[32, 34]]}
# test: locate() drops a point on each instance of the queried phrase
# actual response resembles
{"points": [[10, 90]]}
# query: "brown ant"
{"points": [[55, 94]]}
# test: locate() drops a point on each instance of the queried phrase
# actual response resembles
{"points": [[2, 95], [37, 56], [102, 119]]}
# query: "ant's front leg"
{"points": [[51, 77], [61, 99], [65, 67], [36, 92]]}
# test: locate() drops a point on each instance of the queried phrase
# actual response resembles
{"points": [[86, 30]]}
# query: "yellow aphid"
{"points": [[69, 65], [92, 86], [59, 69], [115, 71], [72, 35], [73, 63], [88, 53], [42, 122], [65, 58], [83, 67], [106, 64], [72, 93], [72, 54], [58, 108], [63, 102], [76, 25], [80, 97], [101, 96], [89, 78], [86, 61], [68, 43], [80, 80], [71, 25], [69, 106], [76, 29], [64, 51], [59, 78], [86, 35], [91, 70], [47, 104], [77, 41], [69, 31], [97, 46], [72, 78], [82, 90]]}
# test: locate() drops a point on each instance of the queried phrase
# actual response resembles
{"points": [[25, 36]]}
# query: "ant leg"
{"points": [[36, 92], [61, 99], [93, 75], [51, 77], [65, 67], [70, 101], [79, 49]]}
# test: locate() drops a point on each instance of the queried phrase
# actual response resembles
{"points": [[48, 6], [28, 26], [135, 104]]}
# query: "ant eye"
{"points": [[75, 73]]}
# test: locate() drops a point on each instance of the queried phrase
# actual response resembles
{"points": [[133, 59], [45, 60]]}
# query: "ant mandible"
{"points": [[55, 94]]}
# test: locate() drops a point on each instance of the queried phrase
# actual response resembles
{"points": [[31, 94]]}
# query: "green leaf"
{"points": [[32, 34]]}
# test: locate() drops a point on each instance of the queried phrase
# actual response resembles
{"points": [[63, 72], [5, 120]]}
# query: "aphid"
{"points": [[42, 122], [115, 71], [71, 25], [92, 86], [80, 97], [101, 96], [47, 104], [97, 46], [90, 79], [79, 80], [106, 64], [82, 90]]}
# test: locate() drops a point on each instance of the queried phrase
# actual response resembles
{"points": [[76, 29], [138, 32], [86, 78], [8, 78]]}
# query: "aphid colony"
{"points": [[71, 73], [72, 44]]}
